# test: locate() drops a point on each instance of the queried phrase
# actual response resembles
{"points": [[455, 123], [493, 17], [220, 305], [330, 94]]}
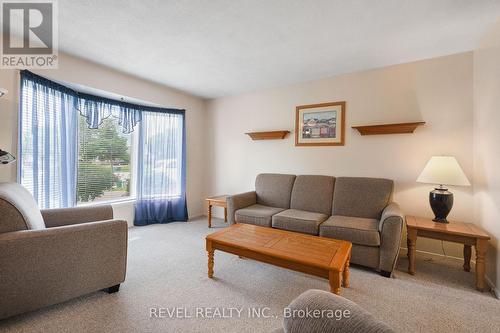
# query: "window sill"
{"points": [[108, 202], [177, 196], [122, 201]]}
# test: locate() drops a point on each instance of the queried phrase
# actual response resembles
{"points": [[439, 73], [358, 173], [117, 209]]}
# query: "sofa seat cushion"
{"points": [[256, 214], [357, 230], [299, 221]]}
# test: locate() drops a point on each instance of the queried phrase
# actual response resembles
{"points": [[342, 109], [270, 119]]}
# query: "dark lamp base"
{"points": [[441, 201], [440, 220]]}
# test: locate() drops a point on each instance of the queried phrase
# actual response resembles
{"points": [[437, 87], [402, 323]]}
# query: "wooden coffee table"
{"points": [[324, 257]]}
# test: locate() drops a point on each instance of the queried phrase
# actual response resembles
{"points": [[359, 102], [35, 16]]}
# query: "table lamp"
{"points": [[442, 170]]}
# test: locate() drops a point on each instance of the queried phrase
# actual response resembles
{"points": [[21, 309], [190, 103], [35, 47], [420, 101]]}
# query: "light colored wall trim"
{"points": [[494, 289], [195, 217], [404, 251], [492, 286]]}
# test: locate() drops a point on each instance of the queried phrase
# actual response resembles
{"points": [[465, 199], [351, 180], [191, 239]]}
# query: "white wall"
{"points": [[437, 91], [487, 144], [78, 71]]}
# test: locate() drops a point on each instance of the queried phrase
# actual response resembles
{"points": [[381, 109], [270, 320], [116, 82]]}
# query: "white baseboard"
{"points": [[492, 286], [194, 217], [433, 254], [494, 289]]}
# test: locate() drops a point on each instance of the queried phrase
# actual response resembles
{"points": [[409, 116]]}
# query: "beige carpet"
{"points": [[167, 268]]}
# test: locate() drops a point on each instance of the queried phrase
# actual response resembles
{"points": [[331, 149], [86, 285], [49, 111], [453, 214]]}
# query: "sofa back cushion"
{"points": [[361, 197], [19, 210], [313, 194], [274, 189]]}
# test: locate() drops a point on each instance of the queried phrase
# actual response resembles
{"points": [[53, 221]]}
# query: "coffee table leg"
{"points": [[335, 278], [225, 214], [209, 215], [210, 251], [211, 263], [345, 274], [481, 245], [467, 255]]}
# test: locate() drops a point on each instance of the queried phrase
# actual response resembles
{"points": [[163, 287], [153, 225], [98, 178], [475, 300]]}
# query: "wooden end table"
{"points": [[219, 201], [458, 232]]}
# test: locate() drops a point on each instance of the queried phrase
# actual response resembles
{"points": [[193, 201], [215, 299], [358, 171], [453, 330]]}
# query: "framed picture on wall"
{"points": [[320, 124]]}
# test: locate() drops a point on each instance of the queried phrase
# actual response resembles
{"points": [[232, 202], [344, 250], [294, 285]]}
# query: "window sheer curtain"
{"points": [[161, 181], [48, 147], [48, 141]]}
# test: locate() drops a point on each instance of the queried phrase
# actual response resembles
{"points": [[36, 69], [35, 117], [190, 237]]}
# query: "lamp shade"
{"points": [[443, 170]]}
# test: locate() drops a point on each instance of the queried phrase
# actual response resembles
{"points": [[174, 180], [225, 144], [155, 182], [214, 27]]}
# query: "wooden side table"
{"points": [[464, 233], [219, 201]]}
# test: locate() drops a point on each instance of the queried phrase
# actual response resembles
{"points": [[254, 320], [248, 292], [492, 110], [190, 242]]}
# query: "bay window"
{"points": [[76, 148]]}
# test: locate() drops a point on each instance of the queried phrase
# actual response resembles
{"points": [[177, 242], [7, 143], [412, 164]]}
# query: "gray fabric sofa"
{"points": [[317, 311], [355, 209], [50, 256]]}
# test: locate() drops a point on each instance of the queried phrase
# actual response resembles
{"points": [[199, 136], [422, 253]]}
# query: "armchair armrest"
{"points": [[391, 229], [48, 266], [76, 215], [238, 201]]}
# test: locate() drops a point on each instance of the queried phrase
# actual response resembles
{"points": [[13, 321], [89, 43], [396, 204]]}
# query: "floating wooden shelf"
{"points": [[388, 128], [272, 135]]}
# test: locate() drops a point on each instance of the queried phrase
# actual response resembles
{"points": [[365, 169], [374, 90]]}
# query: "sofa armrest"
{"points": [[48, 266], [391, 211], [391, 229], [238, 201], [76, 215], [320, 305]]}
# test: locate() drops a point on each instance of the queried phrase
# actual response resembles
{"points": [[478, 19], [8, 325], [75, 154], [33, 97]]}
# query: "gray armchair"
{"points": [[50, 256], [317, 311]]}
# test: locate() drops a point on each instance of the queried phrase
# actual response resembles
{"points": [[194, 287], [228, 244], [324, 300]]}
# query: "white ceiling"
{"points": [[214, 48]]}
